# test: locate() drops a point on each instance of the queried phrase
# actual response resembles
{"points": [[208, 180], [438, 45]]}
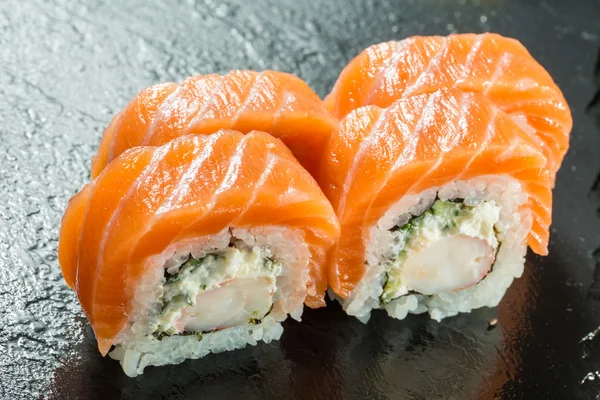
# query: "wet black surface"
{"points": [[66, 67]]}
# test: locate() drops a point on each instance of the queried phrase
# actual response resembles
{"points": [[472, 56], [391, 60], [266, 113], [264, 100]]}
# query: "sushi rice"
{"points": [[214, 294], [422, 258]]}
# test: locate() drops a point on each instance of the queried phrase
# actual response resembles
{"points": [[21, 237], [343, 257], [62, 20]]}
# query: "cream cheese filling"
{"points": [[232, 287]]}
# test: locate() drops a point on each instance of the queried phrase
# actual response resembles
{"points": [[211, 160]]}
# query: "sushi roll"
{"points": [[270, 101], [500, 68], [438, 197], [204, 244]]}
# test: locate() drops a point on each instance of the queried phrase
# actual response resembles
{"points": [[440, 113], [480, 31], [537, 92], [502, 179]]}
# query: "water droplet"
{"points": [[589, 36], [483, 19], [21, 318], [37, 326], [221, 11], [590, 376], [590, 335]]}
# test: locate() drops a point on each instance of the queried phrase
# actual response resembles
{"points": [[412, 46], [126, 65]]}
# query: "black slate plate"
{"points": [[67, 67]]}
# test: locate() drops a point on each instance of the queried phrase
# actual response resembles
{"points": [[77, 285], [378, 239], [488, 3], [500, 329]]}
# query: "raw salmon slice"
{"points": [[497, 67], [275, 102]]}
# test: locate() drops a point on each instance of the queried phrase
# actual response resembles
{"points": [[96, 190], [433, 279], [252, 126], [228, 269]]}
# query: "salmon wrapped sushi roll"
{"points": [[275, 102], [500, 68], [438, 197], [204, 244]]}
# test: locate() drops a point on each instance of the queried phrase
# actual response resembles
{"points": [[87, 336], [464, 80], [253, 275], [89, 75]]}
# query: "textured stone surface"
{"points": [[67, 66]]}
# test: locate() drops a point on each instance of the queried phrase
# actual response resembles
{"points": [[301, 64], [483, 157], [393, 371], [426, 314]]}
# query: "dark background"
{"points": [[67, 66]]}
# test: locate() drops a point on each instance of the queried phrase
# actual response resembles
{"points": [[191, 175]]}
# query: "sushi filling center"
{"points": [[449, 247], [233, 287]]}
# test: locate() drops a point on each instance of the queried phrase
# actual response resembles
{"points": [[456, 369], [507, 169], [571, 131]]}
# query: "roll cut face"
{"points": [[438, 197]]}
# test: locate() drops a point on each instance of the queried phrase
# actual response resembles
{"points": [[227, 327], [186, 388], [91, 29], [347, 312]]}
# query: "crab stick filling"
{"points": [[449, 247]]}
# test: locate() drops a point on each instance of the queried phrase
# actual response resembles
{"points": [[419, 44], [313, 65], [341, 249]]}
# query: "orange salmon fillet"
{"points": [[151, 197], [377, 156], [498, 67], [275, 102]]}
